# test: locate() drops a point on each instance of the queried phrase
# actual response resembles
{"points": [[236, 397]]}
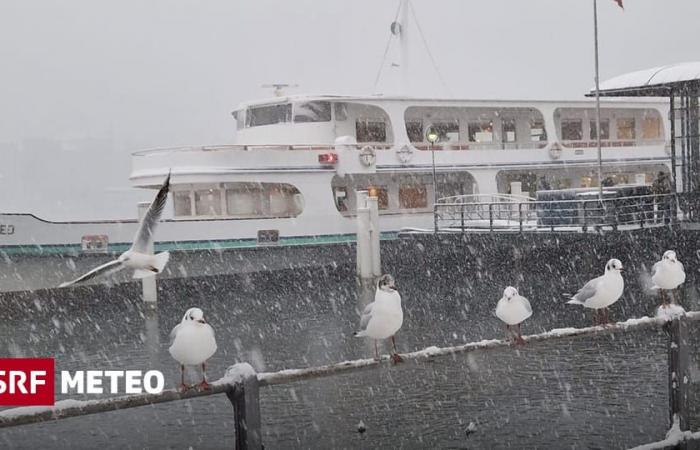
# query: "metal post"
{"points": [[245, 398], [148, 284], [678, 380], [374, 234], [490, 216], [435, 186], [597, 101], [364, 246], [520, 216]]}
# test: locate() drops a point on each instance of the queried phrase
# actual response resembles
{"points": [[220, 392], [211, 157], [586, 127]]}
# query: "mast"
{"points": [[404, 49], [597, 101]]}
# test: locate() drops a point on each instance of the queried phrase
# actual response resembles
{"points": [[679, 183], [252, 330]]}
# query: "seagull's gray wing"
{"points": [[148, 224], [587, 291], [366, 315], [680, 264], [526, 302], [109, 267]]}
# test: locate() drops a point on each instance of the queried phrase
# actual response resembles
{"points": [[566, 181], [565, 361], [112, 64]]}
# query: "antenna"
{"points": [[278, 88]]}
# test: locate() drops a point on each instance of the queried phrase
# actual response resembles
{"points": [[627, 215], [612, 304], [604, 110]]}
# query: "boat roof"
{"points": [[418, 100], [654, 82]]}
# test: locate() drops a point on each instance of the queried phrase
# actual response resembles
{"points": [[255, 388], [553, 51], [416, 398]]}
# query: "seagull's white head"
{"points": [[386, 283], [510, 292], [614, 265], [194, 315], [670, 256]]}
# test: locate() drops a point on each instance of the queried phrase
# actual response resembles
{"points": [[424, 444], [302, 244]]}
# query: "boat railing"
{"points": [[253, 147], [511, 213]]}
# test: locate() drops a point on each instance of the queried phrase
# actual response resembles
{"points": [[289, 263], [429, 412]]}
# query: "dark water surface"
{"points": [[603, 392]]}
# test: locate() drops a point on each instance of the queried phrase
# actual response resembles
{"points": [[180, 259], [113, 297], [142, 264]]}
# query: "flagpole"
{"points": [[597, 101]]}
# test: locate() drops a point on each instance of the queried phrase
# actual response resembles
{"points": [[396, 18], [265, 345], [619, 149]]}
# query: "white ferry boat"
{"points": [[290, 177]]}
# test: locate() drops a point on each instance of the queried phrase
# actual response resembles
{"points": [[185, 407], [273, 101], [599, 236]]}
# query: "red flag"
{"points": [[619, 3]]}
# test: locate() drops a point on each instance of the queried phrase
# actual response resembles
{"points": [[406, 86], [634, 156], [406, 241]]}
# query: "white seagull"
{"points": [[192, 343], [137, 256], [513, 309], [382, 318], [667, 275], [601, 292]]}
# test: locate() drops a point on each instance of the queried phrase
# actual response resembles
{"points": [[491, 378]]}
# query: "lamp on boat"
{"points": [[432, 136]]}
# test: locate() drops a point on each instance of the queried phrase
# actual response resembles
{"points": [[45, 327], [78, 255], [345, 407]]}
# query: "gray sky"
{"points": [[84, 82]]}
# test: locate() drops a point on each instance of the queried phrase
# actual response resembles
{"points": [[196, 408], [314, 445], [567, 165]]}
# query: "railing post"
{"points": [[491, 217], [520, 216], [461, 212], [678, 372], [245, 398]]}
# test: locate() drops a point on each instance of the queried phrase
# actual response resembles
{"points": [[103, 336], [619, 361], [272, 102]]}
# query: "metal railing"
{"points": [[513, 213], [242, 385]]}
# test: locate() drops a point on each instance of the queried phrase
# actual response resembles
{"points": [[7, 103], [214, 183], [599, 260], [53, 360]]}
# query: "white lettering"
{"points": [[148, 385], [76, 382], [34, 379], [3, 386], [94, 382], [133, 383], [114, 376], [15, 383]]}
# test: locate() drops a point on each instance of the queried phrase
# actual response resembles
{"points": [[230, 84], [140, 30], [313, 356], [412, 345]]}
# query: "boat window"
{"points": [[312, 112], [341, 112], [240, 201], [414, 129], [604, 130], [448, 131], [576, 177], [481, 131], [412, 196], [537, 131], [509, 130], [382, 194], [263, 200], [207, 202], [183, 203], [268, 115], [370, 131], [651, 128], [571, 130], [625, 129]]}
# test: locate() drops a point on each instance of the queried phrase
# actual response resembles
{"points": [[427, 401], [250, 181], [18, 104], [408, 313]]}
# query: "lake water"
{"points": [[602, 392]]}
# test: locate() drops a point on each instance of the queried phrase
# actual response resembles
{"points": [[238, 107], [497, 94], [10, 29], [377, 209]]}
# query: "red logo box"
{"points": [[27, 381]]}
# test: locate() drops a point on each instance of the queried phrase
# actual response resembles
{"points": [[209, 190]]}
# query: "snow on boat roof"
{"points": [[650, 82], [421, 100]]}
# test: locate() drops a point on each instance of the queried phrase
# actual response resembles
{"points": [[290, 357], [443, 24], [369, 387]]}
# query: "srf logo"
{"points": [[26, 381]]}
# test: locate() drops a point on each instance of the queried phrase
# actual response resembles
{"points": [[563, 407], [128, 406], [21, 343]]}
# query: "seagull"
{"points": [[601, 292], [137, 256], [192, 342], [513, 309], [382, 318], [668, 275]]}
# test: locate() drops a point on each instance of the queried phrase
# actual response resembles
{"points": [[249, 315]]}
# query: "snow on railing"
{"points": [[241, 382]]}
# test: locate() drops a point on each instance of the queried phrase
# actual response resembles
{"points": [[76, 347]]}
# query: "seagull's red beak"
{"points": [[202, 321]]}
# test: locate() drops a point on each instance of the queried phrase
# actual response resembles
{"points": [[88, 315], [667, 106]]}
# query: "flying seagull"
{"points": [[601, 292], [192, 343], [137, 257], [513, 309], [668, 275], [382, 318]]}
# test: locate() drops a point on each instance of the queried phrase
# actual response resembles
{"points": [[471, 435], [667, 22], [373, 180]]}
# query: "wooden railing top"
{"points": [[237, 373]]}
